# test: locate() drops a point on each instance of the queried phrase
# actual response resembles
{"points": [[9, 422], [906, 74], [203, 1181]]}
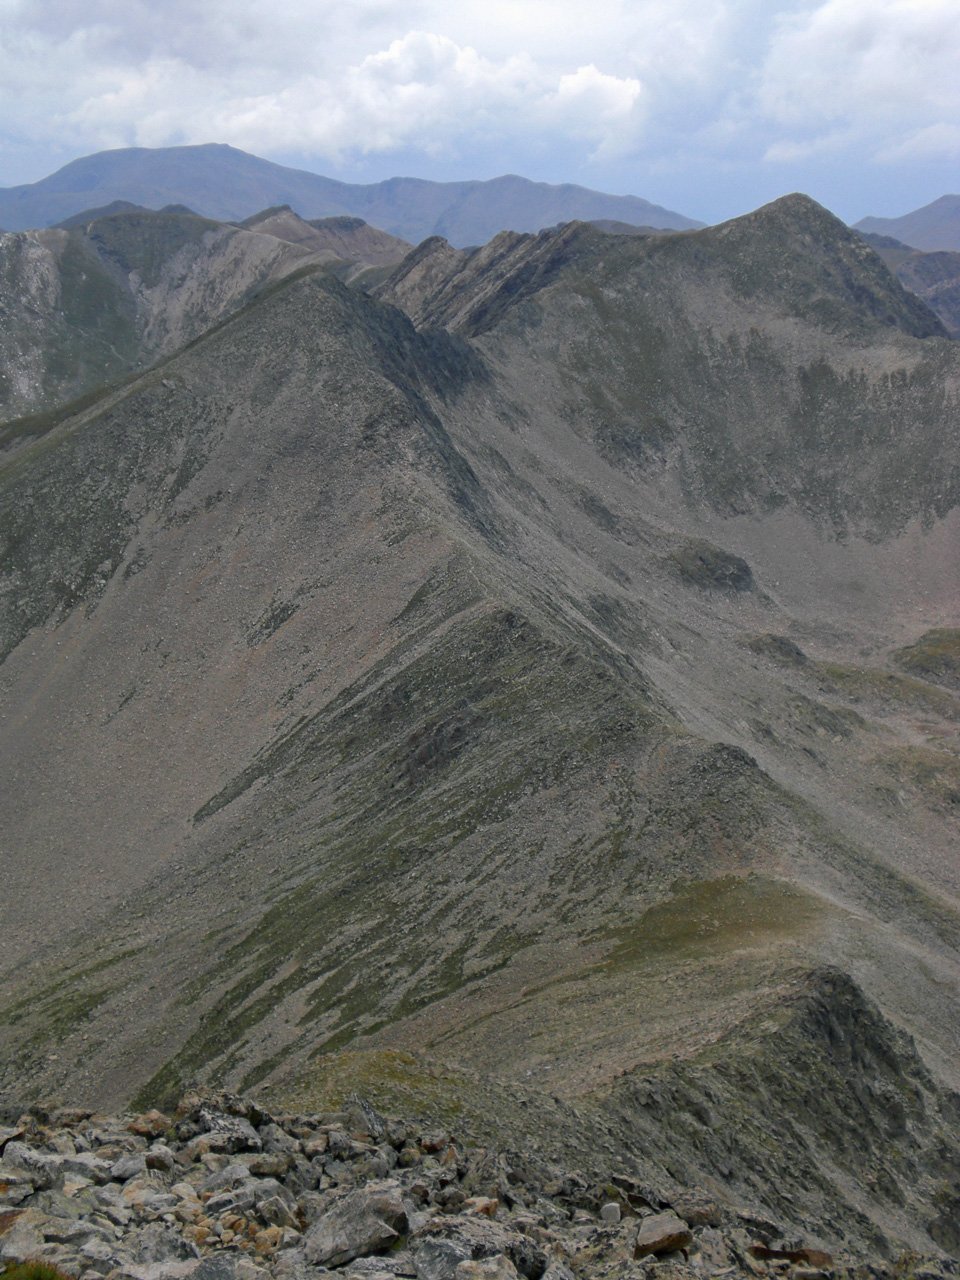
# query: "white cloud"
{"points": [[874, 72], [627, 87], [936, 142]]}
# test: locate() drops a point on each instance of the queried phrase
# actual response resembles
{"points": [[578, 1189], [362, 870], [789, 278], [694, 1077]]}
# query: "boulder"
{"points": [[661, 1233], [498, 1267], [364, 1221], [151, 1124]]}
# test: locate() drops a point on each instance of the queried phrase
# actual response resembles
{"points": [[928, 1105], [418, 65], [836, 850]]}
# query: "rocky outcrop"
{"points": [[226, 1191]]}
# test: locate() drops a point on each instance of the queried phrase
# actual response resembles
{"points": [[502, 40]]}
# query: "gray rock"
{"points": [[160, 1157], [132, 1165], [229, 1133], [437, 1259], [661, 1233], [275, 1140], [237, 1200], [75, 1231], [498, 1267], [42, 1167], [221, 1266], [277, 1212], [484, 1238], [87, 1165], [610, 1212], [10, 1135], [22, 1241], [169, 1270], [361, 1222], [16, 1185], [158, 1242], [231, 1175], [102, 1255]]}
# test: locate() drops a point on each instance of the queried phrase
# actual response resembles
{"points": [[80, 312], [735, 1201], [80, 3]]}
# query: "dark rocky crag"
{"points": [[530, 685]]}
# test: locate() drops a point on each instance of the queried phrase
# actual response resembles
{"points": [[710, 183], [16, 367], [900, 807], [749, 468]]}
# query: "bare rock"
{"points": [[151, 1124], [364, 1221], [498, 1267], [661, 1233]]}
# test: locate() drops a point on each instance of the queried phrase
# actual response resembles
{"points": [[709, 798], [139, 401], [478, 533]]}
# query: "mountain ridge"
{"points": [[934, 226], [227, 184], [541, 683]]}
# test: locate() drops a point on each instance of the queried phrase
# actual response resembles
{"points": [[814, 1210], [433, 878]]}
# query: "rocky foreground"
{"points": [[225, 1191]]}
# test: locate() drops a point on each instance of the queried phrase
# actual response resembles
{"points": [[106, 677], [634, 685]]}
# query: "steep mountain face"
{"points": [[104, 294], [935, 226], [224, 183], [557, 685], [934, 277], [82, 306]]}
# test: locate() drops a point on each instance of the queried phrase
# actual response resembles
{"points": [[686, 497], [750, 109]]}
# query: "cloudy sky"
{"points": [[707, 106]]}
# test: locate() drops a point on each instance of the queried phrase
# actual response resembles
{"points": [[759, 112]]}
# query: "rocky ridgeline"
{"points": [[224, 1191]]}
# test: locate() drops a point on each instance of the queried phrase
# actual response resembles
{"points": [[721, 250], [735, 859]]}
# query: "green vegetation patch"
{"points": [[886, 688], [712, 917], [934, 774], [395, 1082], [779, 649], [701, 564], [935, 656]]}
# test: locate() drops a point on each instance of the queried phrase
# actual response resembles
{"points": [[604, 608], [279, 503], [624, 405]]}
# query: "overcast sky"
{"points": [[710, 107]]}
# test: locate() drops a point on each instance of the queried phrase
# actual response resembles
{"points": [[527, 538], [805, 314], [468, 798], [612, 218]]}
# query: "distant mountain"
{"points": [[934, 277], [935, 226], [224, 183]]}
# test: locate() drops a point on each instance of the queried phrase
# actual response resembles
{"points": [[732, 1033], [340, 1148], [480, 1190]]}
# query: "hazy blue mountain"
{"points": [[221, 182], [935, 226]]}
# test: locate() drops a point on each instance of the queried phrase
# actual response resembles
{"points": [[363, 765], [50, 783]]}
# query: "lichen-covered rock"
{"points": [[363, 1221]]}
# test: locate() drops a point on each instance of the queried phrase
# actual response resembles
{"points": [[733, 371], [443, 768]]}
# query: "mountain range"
{"points": [[521, 679], [935, 226], [223, 183]]}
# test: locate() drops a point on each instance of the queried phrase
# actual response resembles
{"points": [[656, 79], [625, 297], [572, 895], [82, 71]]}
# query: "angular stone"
{"points": [[697, 1209], [129, 1166], [483, 1238], [157, 1242], [277, 1213], [161, 1157], [498, 1267], [229, 1133], [661, 1233], [168, 1270], [439, 1259], [87, 1165], [41, 1167], [272, 1164], [151, 1124], [10, 1135], [363, 1221], [16, 1185], [22, 1241]]}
